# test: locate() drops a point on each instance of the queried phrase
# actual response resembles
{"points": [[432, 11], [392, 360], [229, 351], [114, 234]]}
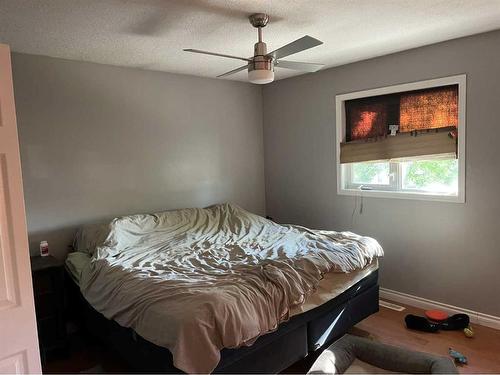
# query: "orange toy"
{"points": [[436, 315]]}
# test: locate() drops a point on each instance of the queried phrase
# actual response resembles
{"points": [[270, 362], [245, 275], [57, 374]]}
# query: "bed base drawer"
{"points": [[272, 357], [330, 326]]}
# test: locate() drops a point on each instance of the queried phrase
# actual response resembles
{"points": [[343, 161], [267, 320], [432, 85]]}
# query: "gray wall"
{"points": [[100, 141], [447, 252]]}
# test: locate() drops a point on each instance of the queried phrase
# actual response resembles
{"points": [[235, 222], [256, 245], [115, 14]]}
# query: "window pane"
{"points": [[436, 176], [370, 173]]}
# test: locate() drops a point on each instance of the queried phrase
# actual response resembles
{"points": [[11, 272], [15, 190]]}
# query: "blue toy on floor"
{"points": [[458, 357]]}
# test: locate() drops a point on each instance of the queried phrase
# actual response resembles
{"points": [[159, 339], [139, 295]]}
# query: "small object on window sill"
{"points": [[362, 187], [393, 129]]}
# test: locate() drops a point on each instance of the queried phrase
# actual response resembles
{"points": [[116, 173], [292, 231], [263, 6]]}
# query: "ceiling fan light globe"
{"points": [[261, 77]]}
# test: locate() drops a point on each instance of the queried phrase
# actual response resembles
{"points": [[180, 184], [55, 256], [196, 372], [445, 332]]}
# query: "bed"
{"points": [[220, 289]]}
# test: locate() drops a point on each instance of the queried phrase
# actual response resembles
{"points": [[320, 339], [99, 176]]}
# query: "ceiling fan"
{"points": [[261, 65]]}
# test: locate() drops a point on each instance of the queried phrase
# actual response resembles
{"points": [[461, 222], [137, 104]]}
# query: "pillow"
{"points": [[90, 237], [76, 262]]}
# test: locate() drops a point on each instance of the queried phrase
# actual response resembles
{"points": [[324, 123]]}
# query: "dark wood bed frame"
{"points": [[271, 353]]}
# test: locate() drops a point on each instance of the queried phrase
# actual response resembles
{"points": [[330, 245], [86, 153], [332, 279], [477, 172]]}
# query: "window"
{"points": [[419, 176], [424, 159]]}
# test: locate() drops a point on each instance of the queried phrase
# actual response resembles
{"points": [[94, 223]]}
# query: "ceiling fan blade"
{"points": [[301, 44], [233, 71], [295, 65], [216, 54]]}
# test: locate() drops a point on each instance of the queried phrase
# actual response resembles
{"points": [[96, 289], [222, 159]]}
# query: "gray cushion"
{"points": [[340, 355]]}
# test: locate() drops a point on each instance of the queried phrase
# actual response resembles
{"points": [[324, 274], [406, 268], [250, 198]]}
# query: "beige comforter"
{"points": [[199, 280]]}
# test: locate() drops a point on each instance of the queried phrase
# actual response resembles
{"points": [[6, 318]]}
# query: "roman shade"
{"points": [[426, 120]]}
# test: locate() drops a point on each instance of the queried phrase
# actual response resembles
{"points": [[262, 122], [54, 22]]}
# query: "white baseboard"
{"points": [[426, 304]]}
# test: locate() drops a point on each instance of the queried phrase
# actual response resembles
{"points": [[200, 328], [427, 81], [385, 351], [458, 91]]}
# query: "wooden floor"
{"points": [[482, 351], [387, 326]]}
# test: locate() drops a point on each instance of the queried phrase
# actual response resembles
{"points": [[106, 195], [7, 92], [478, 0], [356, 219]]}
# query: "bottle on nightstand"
{"points": [[44, 248]]}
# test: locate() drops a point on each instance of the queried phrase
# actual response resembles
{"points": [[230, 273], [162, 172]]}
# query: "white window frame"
{"points": [[342, 170]]}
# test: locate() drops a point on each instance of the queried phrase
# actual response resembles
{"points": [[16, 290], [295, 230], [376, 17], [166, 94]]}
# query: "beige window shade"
{"points": [[439, 141]]}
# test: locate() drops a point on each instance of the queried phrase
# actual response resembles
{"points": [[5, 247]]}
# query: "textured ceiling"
{"points": [[150, 34]]}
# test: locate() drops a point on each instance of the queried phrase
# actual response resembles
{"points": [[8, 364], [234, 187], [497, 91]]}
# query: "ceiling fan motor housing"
{"points": [[260, 61], [261, 66]]}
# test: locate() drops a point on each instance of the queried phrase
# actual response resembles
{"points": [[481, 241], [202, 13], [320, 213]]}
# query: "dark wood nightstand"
{"points": [[48, 289]]}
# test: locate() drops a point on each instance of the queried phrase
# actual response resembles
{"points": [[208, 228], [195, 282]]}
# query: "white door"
{"points": [[18, 335]]}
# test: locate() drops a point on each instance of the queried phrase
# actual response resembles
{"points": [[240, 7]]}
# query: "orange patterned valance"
{"points": [[412, 110], [429, 109]]}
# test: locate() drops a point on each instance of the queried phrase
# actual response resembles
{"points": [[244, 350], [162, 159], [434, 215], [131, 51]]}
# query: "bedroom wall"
{"points": [[447, 252], [99, 141]]}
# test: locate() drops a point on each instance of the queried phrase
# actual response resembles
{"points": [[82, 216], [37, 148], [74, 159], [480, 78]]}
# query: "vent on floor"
{"points": [[390, 305]]}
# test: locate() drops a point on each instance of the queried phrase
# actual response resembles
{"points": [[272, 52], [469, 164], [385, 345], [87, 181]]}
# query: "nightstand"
{"points": [[48, 289]]}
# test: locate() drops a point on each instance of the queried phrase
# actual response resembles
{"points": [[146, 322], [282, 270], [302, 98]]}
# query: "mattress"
{"points": [[332, 285]]}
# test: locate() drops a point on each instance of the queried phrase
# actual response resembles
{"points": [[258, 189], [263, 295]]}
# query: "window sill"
{"points": [[460, 198]]}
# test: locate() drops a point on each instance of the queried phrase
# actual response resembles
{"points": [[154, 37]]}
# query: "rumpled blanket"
{"points": [[199, 280]]}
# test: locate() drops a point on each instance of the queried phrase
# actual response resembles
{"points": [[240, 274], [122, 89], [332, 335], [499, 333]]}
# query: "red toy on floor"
{"points": [[436, 315]]}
